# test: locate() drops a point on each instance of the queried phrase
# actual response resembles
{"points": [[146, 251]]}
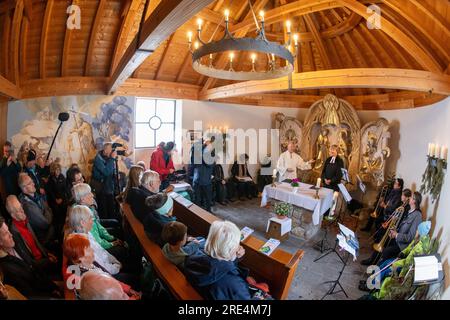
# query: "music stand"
{"points": [[337, 281]]}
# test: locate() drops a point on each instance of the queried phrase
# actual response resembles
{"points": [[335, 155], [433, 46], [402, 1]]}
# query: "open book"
{"points": [[244, 179], [185, 202], [269, 246], [426, 268], [180, 186]]}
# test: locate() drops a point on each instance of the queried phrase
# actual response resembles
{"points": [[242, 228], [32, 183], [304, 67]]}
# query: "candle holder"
{"points": [[316, 196], [433, 177]]}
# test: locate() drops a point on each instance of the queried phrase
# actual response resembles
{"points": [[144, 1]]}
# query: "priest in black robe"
{"points": [[332, 169]]}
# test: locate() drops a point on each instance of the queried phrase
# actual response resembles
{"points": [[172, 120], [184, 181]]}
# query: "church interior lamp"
{"points": [[433, 177]]}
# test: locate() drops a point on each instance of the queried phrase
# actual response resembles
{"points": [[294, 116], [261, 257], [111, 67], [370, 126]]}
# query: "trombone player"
{"points": [[387, 206], [404, 229]]}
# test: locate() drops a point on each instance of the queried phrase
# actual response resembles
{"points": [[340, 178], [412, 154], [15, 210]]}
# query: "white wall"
{"points": [[411, 131]]}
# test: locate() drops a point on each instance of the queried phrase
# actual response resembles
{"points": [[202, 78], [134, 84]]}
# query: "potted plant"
{"points": [[282, 209], [295, 184]]}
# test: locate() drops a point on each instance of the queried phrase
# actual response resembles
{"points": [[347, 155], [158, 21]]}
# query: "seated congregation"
{"points": [[61, 238]]}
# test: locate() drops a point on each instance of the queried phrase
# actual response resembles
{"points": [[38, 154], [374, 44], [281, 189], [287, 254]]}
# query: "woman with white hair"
{"points": [[214, 270], [83, 195], [80, 221]]}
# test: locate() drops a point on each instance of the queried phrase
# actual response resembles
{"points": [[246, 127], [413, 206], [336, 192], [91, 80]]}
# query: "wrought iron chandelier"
{"points": [[204, 52]]}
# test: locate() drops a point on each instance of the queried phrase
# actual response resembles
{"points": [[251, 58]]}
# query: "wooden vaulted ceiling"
{"points": [[138, 47]]}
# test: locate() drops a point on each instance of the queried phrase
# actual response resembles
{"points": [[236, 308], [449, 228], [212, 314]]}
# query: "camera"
{"points": [[116, 145]]}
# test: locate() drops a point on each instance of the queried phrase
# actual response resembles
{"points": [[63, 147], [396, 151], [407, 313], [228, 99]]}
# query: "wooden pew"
{"points": [[172, 277], [277, 270], [68, 293]]}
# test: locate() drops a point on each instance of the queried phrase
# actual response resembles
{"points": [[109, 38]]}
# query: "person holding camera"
{"points": [[102, 181], [9, 170], [161, 162]]}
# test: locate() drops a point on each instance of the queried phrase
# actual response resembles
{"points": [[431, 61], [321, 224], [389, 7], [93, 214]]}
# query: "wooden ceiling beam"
{"points": [[9, 89], [130, 11], [24, 49], [163, 21], [66, 46], [158, 89], [394, 32], [318, 41], [44, 36], [414, 80], [417, 22], [15, 42], [28, 8], [424, 7], [7, 23], [163, 58], [92, 39]]}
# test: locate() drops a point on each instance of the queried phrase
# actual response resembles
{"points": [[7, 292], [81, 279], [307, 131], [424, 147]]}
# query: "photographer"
{"points": [[9, 170], [102, 181]]}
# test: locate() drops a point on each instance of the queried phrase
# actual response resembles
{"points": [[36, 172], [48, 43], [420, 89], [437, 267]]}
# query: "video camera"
{"points": [[116, 145]]}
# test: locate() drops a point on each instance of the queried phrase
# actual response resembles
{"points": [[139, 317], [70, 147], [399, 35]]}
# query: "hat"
{"points": [[169, 146], [424, 228], [165, 209], [31, 155]]}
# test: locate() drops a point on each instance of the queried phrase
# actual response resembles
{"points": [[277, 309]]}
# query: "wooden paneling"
{"points": [[3, 122]]}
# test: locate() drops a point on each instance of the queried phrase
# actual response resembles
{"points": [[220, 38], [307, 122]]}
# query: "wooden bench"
{"points": [[172, 277], [69, 294], [277, 270]]}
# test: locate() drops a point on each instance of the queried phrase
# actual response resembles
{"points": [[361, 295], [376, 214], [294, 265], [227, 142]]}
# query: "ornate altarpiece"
{"points": [[334, 121]]}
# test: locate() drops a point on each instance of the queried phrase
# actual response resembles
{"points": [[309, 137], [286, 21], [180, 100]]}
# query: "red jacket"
{"points": [[158, 164]]}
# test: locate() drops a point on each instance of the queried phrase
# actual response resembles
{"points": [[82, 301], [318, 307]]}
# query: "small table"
{"points": [[278, 228]]}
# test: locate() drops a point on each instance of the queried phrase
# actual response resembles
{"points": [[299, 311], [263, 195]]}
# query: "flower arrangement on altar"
{"points": [[295, 182], [282, 209]]}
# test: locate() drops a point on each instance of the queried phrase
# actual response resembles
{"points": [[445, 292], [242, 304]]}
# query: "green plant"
{"points": [[433, 178], [282, 208]]}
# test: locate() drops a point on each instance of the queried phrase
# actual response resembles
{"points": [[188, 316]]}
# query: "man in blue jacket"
{"points": [[102, 181], [203, 172]]}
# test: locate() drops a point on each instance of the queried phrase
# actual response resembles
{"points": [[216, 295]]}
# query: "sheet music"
{"points": [[426, 268], [181, 186], [345, 175], [345, 193], [348, 241], [185, 202], [361, 185]]}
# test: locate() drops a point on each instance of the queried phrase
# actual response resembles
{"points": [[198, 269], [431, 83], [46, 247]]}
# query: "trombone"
{"points": [[374, 214], [390, 224]]}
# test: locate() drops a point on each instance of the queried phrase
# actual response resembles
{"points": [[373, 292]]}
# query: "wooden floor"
{"points": [[307, 283]]}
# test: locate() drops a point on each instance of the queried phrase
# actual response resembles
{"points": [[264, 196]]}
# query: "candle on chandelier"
{"points": [[253, 56], [231, 56], [196, 45], [261, 15], [319, 181], [296, 39], [437, 151], [444, 152], [189, 34], [431, 149], [227, 15], [199, 22], [288, 26], [273, 57]]}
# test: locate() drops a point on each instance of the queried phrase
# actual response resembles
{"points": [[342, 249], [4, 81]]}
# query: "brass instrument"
{"points": [[374, 214], [390, 224]]}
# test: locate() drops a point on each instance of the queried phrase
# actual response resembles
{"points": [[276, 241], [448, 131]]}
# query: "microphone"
{"points": [[63, 116]]}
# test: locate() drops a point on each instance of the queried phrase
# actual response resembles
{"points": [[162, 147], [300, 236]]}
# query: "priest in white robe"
{"points": [[288, 163]]}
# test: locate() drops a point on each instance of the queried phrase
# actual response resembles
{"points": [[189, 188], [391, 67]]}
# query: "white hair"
{"points": [[148, 177], [8, 203], [96, 285], [80, 190], [21, 180], [78, 214], [223, 240]]}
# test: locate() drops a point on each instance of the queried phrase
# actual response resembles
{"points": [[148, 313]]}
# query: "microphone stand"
{"points": [[54, 138]]}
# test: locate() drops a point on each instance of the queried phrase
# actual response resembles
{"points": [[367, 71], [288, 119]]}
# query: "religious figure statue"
{"points": [[322, 146], [331, 105], [344, 148], [374, 156]]}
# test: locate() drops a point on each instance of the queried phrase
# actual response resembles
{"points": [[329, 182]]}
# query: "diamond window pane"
{"points": [[145, 109], [166, 133], [165, 109], [145, 137]]}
